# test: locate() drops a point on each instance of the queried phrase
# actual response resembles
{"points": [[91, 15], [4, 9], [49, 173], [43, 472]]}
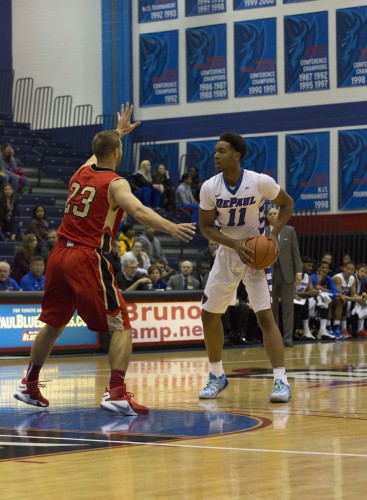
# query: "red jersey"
{"points": [[89, 218]]}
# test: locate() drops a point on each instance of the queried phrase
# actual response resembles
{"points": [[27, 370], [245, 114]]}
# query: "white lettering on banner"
{"points": [[28, 321], [159, 322]]}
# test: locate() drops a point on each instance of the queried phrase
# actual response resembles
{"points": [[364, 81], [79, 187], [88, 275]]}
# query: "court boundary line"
{"points": [[201, 447]]}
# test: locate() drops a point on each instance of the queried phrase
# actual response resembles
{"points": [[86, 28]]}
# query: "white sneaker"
{"points": [[324, 334], [308, 335]]}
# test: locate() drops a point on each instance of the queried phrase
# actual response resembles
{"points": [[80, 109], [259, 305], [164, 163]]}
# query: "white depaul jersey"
{"points": [[240, 209], [303, 285], [346, 285]]}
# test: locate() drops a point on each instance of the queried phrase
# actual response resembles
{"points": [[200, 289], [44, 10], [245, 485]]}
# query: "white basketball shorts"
{"points": [[224, 278]]}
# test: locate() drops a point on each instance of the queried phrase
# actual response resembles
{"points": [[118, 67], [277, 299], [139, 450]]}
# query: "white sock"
{"points": [[336, 323], [323, 323], [305, 325], [216, 368], [343, 325], [360, 325], [279, 373]]}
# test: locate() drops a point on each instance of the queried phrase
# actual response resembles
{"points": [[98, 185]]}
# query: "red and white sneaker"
{"points": [[362, 333], [29, 393], [117, 400], [346, 333]]}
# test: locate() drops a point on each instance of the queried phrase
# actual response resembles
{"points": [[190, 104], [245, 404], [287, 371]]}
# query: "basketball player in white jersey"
{"points": [[346, 285], [234, 200]]}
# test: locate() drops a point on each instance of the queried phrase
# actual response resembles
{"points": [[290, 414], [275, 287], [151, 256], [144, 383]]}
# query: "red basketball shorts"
{"points": [[81, 278]]}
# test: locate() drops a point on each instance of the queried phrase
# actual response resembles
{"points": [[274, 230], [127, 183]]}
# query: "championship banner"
{"points": [[308, 170], [19, 326], [206, 63], [351, 34], [159, 68], [157, 10], [352, 170], [252, 4], [262, 156], [162, 153], [201, 155], [200, 7], [306, 52], [296, 1], [255, 57]]}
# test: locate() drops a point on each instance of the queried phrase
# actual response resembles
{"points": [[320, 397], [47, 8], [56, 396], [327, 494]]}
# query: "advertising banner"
{"points": [[159, 68], [308, 170], [200, 7], [297, 1], [255, 57], [19, 326], [352, 170], [206, 63], [162, 153], [154, 322], [252, 4], [306, 52], [165, 322], [157, 10], [351, 33]]}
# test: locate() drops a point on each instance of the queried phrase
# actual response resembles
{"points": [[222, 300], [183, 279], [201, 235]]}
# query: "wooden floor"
{"points": [[237, 446]]}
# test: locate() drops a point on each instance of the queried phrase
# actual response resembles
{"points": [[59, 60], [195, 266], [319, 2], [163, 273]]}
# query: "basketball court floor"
{"points": [[238, 446]]}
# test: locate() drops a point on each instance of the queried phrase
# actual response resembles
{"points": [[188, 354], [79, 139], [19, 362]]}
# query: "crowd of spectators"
{"points": [[329, 303]]}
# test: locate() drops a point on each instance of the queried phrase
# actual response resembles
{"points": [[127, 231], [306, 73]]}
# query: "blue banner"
{"points": [[306, 52], [19, 326], [159, 68], [162, 153], [200, 7], [262, 156], [308, 170], [352, 170], [252, 4], [255, 57], [351, 33], [296, 1], [200, 154], [206, 63], [157, 10]]}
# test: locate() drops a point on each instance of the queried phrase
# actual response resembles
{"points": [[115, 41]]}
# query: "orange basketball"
{"points": [[264, 251]]}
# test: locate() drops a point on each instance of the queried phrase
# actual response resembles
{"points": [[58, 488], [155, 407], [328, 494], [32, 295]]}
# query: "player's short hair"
{"points": [[237, 142], [105, 142], [307, 260]]}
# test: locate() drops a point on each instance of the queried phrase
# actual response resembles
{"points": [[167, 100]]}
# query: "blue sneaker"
{"points": [[213, 387], [281, 392], [338, 334]]}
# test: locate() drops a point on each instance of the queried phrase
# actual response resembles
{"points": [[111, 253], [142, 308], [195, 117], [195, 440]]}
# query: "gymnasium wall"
{"points": [[59, 44], [313, 140]]}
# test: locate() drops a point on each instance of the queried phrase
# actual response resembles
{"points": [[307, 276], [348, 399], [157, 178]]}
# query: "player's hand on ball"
{"points": [[245, 254], [276, 243]]}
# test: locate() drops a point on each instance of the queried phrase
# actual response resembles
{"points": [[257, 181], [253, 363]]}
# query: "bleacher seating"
{"points": [[51, 211], [36, 199]]}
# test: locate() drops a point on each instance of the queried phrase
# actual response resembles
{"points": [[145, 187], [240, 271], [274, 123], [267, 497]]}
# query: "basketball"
{"points": [[264, 252]]}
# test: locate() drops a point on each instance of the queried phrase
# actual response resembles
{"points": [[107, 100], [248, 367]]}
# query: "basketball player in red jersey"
{"points": [[78, 275]]}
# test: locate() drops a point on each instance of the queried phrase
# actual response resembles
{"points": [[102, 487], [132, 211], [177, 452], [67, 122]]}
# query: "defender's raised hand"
{"points": [[124, 126]]}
